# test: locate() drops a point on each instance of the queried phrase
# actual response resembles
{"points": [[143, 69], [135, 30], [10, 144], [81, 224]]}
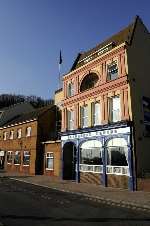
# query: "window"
{"points": [[70, 89], [70, 120], [19, 133], [9, 157], [84, 116], [5, 135], [89, 81], [11, 137], [96, 114], [26, 158], [28, 131], [112, 71], [50, 160], [114, 109], [17, 158], [91, 156], [117, 157]]}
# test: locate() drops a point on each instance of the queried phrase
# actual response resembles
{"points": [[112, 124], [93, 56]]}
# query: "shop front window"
{"points": [[91, 156], [117, 156]]}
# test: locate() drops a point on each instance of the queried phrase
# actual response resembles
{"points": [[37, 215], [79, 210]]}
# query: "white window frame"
{"points": [[84, 117], [26, 155], [96, 114], [49, 155], [113, 111], [70, 89], [5, 134], [28, 131], [70, 121], [19, 133], [108, 71], [11, 136]]}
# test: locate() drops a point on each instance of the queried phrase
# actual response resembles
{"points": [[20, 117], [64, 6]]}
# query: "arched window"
{"points": [[91, 156], [89, 81], [70, 89], [117, 151], [28, 131]]}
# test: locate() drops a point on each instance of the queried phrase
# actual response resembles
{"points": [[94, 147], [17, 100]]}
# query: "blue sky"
{"points": [[32, 32]]}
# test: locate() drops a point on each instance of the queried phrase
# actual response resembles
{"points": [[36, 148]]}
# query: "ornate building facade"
{"points": [[100, 122]]}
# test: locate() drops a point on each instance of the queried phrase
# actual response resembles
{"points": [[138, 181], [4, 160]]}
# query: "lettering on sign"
{"points": [[97, 133]]}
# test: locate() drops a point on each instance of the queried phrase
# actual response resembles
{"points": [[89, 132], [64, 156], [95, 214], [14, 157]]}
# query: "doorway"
{"points": [[69, 161]]}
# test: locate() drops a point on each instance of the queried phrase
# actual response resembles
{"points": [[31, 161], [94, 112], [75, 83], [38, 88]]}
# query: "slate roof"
{"points": [[8, 113], [29, 116], [124, 35]]}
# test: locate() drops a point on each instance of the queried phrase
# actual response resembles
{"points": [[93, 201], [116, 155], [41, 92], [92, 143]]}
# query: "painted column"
{"points": [[105, 109], [104, 159], [77, 163], [130, 162]]}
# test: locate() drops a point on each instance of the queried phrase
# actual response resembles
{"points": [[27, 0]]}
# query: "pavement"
{"points": [[137, 200]]}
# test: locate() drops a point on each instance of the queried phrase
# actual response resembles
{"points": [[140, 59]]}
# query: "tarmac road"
{"points": [[24, 204]]}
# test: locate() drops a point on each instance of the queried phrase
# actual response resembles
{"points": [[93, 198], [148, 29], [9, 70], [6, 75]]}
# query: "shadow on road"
{"points": [[55, 219]]}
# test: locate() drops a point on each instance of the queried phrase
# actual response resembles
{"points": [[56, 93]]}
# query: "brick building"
{"points": [[21, 140], [105, 115], [52, 148]]}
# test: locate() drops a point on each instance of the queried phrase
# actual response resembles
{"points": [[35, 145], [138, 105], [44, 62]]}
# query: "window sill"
{"points": [[49, 169]]}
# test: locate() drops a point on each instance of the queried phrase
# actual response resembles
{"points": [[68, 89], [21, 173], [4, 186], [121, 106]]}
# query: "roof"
{"points": [[124, 35], [29, 116], [8, 113]]}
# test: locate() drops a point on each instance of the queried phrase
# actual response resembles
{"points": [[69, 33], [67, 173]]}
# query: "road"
{"points": [[24, 204]]}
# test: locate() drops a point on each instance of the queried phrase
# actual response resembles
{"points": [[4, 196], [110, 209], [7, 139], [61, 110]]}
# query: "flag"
{"points": [[60, 58]]}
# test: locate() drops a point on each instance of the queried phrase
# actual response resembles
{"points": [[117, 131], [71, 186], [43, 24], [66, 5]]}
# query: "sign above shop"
{"points": [[97, 133]]}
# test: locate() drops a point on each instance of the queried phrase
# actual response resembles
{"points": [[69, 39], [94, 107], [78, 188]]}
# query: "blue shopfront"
{"points": [[102, 155]]}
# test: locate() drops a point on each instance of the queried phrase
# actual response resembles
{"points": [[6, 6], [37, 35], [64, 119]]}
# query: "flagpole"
{"points": [[60, 62]]}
